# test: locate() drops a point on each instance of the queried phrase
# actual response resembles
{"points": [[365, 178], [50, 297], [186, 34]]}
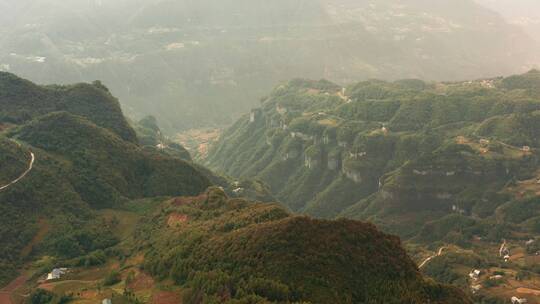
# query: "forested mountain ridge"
{"points": [[87, 157], [376, 148], [211, 61]]}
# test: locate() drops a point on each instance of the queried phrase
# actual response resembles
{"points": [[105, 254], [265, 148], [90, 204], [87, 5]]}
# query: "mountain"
{"points": [[131, 221], [522, 13], [193, 64], [401, 153], [65, 152]]}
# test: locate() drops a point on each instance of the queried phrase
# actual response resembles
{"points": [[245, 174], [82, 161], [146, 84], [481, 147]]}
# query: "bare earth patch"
{"points": [[528, 291], [176, 219], [166, 297], [142, 281]]}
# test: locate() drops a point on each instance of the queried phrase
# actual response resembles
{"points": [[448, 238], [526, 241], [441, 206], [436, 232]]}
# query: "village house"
{"points": [[418, 172], [343, 144], [475, 274], [357, 155], [56, 273], [301, 135], [254, 115], [476, 288], [526, 149], [456, 209], [516, 300], [106, 301]]}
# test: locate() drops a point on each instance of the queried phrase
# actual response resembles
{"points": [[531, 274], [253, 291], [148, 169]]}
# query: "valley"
{"points": [[108, 208], [265, 152]]}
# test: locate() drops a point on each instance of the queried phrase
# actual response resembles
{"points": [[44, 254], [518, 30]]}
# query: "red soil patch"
{"points": [[166, 297], [18, 282], [142, 281], [184, 200], [176, 219], [5, 293], [5, 298], [517, 256], [46, 286], [528, 291]]}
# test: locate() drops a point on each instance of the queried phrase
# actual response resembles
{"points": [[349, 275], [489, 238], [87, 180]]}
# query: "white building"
{"points": [[475, 274], [56, 273], [516, 300]]}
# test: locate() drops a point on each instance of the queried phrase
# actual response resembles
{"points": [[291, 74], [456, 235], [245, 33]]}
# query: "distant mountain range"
{"points": [[522, 13], [203, 63]]}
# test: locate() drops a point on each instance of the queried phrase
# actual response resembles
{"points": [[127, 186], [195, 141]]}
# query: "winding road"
{"points": [[30, 167], [439, 253]]}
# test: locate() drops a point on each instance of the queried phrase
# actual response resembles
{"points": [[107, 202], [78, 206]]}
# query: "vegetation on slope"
{"points": [[400, 154], [234, 251]]}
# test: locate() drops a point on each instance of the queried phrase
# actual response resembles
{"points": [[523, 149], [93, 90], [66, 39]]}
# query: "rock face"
{"points": [[406, 147]]}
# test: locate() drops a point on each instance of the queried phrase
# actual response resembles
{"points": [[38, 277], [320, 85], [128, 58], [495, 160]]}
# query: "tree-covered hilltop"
{"points": [[87, 158], [235, 251], [398, 153], [22, 100]]}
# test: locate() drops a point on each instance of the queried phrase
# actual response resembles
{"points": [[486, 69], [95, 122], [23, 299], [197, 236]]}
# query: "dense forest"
{"points": [[400, 154]]}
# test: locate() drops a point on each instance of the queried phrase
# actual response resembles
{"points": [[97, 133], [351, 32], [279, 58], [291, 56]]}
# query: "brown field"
{"points": [[528, 291], [198, 140], [166, 297]]}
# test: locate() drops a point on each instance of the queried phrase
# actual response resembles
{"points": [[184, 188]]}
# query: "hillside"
{"points": [[58, 168], [449, 167], [209, 62], [411, 148], [216, 249]]}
